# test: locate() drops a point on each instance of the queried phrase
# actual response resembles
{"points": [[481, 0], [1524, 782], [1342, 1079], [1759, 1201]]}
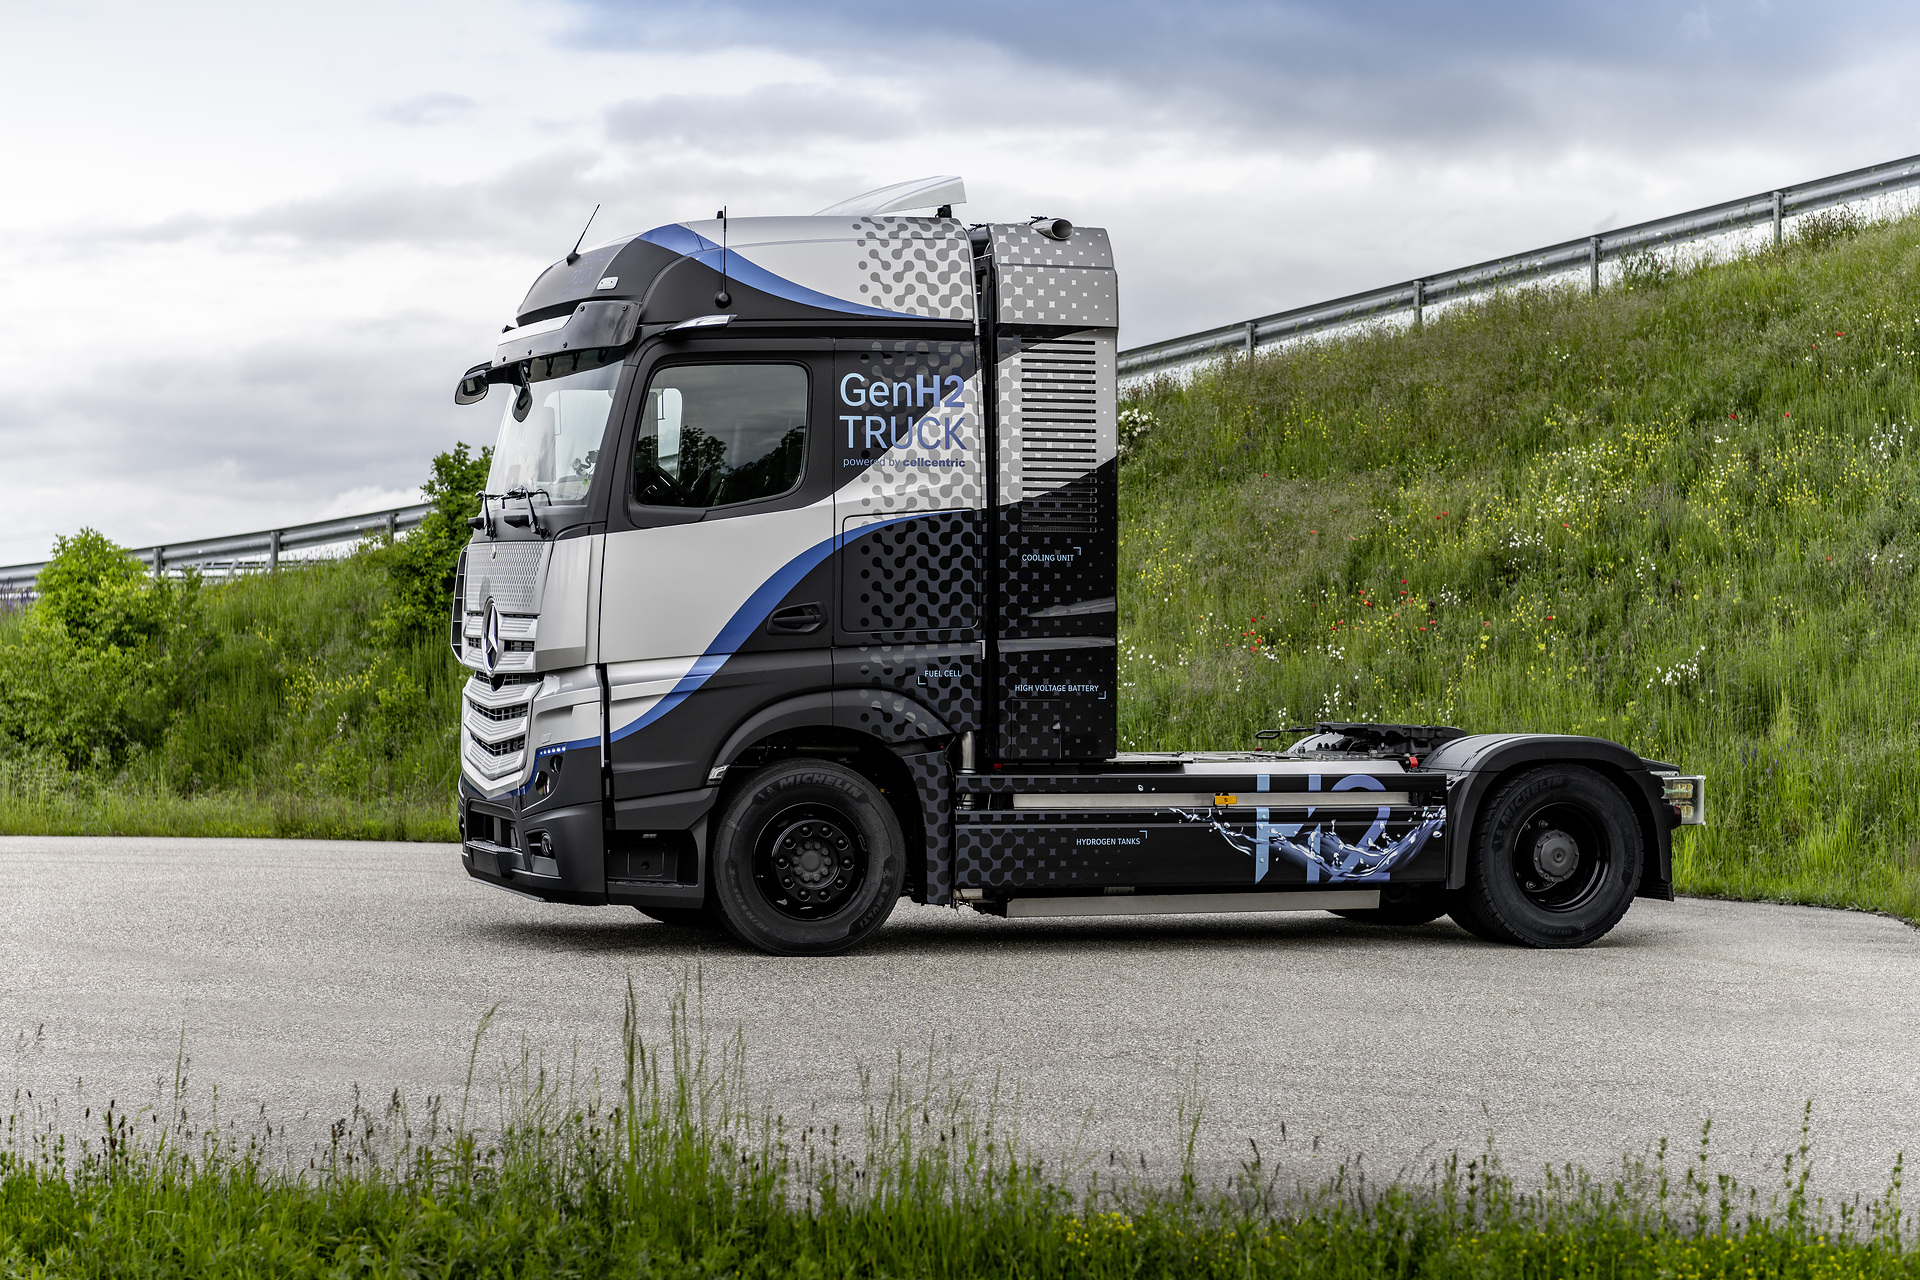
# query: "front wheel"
{"points": [[808, 860], [1555, 862]]}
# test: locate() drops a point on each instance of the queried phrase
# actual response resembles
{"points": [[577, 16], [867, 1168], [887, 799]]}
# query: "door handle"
{"points": [[796, 620]]}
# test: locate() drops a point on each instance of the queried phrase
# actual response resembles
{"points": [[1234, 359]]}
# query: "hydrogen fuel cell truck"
{"points": [[792, 593]]}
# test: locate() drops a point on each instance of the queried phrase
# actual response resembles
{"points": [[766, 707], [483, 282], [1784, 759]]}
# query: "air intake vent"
{"points": [[506, 748], [1059, 414]]}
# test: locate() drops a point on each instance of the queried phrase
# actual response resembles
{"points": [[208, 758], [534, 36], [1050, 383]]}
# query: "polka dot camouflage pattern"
{"points": [[916, 579], [933, 784], [889, 716], [1001, 856], [1058, 575], [944, 679], [900, 479], [918, 266], [1058, 703], [1059, 295], [1014, 244]]}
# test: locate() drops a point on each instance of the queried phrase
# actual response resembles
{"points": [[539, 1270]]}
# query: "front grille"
{"points": [[514, 712], [506, 748]]}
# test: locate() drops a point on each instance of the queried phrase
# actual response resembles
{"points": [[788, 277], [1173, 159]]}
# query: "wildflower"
{"points": [[1788, 414]]}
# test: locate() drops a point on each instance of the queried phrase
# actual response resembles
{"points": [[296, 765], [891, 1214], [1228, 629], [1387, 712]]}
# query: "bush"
{"points": [[420, 568], [104, 660]]}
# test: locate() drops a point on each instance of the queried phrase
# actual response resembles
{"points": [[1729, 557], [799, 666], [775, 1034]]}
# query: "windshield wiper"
{"points": [[532, 517], [485, 519]]}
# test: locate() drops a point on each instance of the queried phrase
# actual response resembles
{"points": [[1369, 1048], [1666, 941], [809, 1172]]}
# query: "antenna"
{"points": [[723, 298], [573, 254]]}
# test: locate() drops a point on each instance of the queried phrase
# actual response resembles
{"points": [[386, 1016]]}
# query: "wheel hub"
{"points": [[814, 861], [1556, 855]]}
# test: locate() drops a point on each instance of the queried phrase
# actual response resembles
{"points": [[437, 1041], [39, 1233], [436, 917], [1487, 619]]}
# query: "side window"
{"points": [[712, 435]]}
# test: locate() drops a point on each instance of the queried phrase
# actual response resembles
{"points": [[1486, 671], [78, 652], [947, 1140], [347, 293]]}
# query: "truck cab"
{"points": [[793, 593]]}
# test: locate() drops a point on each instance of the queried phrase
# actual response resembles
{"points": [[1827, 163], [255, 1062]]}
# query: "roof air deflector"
{"points": [[921, 193]]}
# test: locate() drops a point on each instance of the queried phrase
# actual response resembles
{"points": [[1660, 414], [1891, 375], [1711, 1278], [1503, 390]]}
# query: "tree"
{"points": [[420, 567]]}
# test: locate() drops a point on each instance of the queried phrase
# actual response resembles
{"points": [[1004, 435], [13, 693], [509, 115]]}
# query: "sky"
{"points": [[246, 250]]}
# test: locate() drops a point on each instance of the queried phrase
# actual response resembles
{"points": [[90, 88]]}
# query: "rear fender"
{"points": [[1476, 765]]}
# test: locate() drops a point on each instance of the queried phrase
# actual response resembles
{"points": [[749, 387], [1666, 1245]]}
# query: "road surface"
{"points": [[295, 970]]}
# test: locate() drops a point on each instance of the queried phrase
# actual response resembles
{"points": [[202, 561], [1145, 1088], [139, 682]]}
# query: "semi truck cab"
{"points": [[793, 593]]}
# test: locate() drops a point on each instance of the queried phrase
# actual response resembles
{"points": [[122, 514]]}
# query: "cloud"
{"points": [[306, 278], [265, 433], [1318, 77], [773, 115], [427, 109], [508, 207]]}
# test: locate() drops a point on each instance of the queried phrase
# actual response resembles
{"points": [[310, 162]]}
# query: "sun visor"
{"points": [[592, 325]]}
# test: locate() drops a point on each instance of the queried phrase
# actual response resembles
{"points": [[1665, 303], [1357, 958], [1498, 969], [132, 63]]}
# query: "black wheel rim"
{"points": [[1561, 858], [809, 861]]}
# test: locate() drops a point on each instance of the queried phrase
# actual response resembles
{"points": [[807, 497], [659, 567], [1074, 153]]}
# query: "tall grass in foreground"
{"points": [[1684, 515], [679, 1174]]}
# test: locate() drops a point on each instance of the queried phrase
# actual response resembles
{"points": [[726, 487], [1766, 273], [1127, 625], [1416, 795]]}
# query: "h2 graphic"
{"points": [[923, 427]]}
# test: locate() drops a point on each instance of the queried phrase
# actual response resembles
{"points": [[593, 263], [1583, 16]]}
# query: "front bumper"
{"points": [[561, 852]]}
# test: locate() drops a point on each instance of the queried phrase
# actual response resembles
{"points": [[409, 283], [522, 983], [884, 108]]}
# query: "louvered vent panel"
{"points": [[1059, 414]]}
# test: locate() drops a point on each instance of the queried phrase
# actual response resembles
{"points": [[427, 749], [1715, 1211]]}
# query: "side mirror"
{"points": [[473, 385]]}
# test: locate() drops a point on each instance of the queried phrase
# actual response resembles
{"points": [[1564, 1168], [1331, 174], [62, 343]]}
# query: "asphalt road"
{"points": [[299, 969]]}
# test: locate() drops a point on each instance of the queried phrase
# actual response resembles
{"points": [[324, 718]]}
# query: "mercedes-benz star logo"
{"points": [[490, 637]]}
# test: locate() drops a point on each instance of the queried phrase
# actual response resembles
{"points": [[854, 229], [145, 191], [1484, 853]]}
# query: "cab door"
{"points": [[716, 594], [911, 592]]}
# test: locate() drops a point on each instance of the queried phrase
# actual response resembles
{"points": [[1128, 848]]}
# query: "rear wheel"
{"points": [[1556, 860], [808, 860]]}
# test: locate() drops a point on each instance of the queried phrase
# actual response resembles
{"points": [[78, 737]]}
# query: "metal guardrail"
{"points": [[262, 549], [1569, 255], [241, 551]]}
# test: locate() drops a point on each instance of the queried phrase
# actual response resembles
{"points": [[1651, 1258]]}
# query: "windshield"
{"points": [[551, 433]]}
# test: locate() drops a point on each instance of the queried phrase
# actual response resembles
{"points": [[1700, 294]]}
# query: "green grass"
{"points": [[1682, 515], [304, 717], [679, 1173]]}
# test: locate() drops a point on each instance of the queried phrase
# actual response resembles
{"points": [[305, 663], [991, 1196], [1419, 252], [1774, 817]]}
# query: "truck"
{"points": [[793, 593]]}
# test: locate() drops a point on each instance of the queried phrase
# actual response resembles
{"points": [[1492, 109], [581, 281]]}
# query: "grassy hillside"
{"points": [[296, 722], [1682, 515], [317, 701], [1679, 515]]}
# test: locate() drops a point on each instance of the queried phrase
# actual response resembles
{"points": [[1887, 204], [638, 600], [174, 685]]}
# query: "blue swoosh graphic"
{"points": [[747, 619], [691, 244]]}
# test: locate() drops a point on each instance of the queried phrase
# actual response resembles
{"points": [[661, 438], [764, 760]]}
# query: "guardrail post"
{"points": [[1419, 302], [1779, 209], [159, 562], [1593, 265], [393, 523], [273, 551], [1251, 335]]}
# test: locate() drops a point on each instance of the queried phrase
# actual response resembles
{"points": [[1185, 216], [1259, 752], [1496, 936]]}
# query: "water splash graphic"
{"points": [[1320, 851]]}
